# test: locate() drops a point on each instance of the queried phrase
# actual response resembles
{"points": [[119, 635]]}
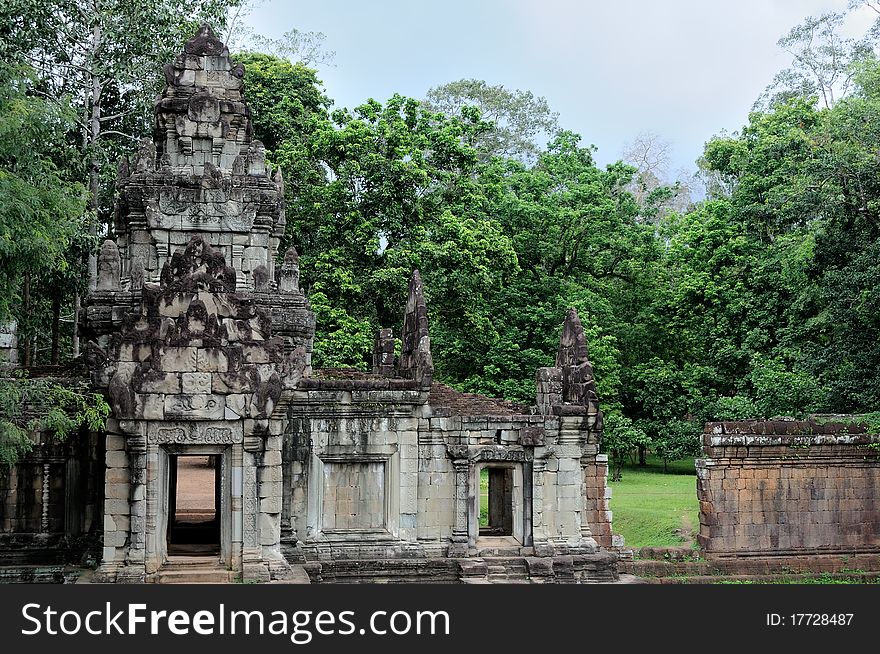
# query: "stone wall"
{"points": [[50, 501], [789, 487], [8, 344], [597, 496]]}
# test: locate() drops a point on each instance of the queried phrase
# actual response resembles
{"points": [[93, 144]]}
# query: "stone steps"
{"points": [[194, 570], [195, 576]]}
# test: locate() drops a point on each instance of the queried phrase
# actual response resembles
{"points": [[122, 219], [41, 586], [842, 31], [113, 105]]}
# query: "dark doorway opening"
{"points": [[194, 504], [498, 520]]}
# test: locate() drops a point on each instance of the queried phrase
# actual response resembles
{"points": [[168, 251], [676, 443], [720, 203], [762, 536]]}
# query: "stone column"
{"points": [[236, 508], [539, 530], [153, 483], [253, 566], [270, 493], [588, 488], [135, 560], [8, 344], [74, 503], [117, 518], [44, 516], [459, 543]]}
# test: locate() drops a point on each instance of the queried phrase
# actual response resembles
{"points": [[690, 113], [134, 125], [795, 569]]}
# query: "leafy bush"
{"points": [[29, 405], [621, 437]]}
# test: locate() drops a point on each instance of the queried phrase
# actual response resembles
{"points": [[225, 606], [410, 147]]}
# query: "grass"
{"points": [[822, 579], [653, 509], [650, 508]]}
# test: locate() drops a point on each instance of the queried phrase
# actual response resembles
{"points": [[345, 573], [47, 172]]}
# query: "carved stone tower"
{"points": [[197, 336]]}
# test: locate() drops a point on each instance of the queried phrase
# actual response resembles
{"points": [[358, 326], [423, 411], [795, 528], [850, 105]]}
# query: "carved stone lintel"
{"points": [[191, 435], [479, 453]]}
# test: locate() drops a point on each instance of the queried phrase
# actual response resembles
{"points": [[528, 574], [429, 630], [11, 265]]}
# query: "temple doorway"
{"points": [[194, 504], [496, 495]]}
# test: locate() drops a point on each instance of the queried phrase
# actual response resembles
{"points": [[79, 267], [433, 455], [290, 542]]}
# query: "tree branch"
{"points": [[113, 132]]}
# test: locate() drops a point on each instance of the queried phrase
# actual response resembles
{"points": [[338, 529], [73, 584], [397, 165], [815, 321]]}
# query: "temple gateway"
{"points": [[201, 338]]}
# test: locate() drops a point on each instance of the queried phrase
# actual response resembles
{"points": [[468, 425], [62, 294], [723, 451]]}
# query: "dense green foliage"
{"points": [[42, 208], [759, 300], [28, 405], [77, 83]]}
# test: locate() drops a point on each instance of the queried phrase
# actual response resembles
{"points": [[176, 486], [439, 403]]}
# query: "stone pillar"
{"points": [[588, 489], [253, 567], [597, 494], [8, 344], [135, 561], [155, 494], [74, 504], [44, 516], [236, 509], [459, 543], [270, 500], [540, 536], [383, 353], [117, 517]]}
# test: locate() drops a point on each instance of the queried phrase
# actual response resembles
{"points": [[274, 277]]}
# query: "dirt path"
{"points": [[686, 531], [195, 487]]}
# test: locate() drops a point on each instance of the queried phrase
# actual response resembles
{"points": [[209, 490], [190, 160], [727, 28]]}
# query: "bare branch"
{"points": [[113, 132]]}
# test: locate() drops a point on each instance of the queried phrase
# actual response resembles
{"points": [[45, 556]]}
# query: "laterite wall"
{"points": [[788, 487]]}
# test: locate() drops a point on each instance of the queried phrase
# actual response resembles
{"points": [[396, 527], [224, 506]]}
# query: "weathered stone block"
{"points": [[116, 459], [115, 538], [149, 406], [270, 528], [177, 359], [118, 491], [238, 403], [270, 488], [271, 474], [270, 505], [196, 382], [112, 506], [199, 407], [117, 476], [114, 442], [212, 360], [109, 554]]}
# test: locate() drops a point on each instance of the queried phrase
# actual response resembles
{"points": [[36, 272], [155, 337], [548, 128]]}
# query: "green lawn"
{"points": [[650, 508], [648, 505]]}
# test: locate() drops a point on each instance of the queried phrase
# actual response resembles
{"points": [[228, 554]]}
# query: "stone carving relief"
{"points": [[193, 436]]}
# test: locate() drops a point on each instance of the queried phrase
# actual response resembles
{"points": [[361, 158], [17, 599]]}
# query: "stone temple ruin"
{"points": [[202, 343], [200, 337]]}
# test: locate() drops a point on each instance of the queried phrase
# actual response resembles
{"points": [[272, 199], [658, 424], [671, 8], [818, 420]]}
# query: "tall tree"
{"points": [[106, 56], [652, 185], [41, 208], [518, 118], [822, 60]]}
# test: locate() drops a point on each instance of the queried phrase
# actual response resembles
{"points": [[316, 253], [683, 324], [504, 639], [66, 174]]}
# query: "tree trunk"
{"points": [[27, 354], [643, 452], [56, 329], [74, 341], [94, 165]]}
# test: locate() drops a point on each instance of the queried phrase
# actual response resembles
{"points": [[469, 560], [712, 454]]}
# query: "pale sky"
{"points": [[683, 69]]}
